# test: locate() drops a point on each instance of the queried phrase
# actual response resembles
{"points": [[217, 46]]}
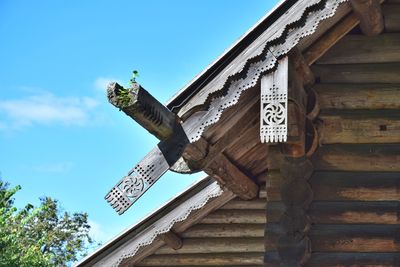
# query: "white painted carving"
{"points": [[274, 101], [131, 187], [163, 225], [195, 125]]}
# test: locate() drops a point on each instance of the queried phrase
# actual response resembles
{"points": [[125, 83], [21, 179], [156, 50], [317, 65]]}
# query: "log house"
{"points": [[327, 196]]}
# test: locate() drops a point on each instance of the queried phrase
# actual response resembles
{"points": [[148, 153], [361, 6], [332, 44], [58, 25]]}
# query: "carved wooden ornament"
{"points": [[274, 103], [254, 65]]}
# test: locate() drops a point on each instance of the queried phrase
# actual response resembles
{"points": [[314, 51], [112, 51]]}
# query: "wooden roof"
{"points": [[354, 213]]}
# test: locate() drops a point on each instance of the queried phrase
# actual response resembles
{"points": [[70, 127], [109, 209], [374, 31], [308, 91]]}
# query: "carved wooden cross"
{"points": [[138, 104]]}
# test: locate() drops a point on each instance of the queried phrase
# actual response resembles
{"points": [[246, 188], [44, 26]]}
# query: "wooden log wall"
{"points": [[356, 181], [233, 235], [356, 184]]}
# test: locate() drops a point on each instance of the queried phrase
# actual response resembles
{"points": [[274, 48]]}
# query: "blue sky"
{"points": [[59, 137]]}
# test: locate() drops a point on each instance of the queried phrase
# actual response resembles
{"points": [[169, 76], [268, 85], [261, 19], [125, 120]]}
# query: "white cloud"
{"points": [[54, 168], [46, 108]]}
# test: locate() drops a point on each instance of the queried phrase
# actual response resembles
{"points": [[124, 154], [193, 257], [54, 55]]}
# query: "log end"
{"points": [[121, 97]]}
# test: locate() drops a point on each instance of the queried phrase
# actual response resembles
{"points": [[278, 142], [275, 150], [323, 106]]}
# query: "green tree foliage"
{"points": [[40, 236]]}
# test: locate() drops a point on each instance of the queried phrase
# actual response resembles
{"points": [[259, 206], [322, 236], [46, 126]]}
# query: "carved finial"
{"points": [[141, 106]]}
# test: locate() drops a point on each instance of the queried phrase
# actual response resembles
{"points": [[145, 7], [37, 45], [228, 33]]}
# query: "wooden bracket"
{"points": [[303, 108], [369, 13], [231, 177], [171, 239]]}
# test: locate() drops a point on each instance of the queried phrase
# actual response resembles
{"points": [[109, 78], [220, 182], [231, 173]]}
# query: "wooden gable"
{"points": [[328, 198]]}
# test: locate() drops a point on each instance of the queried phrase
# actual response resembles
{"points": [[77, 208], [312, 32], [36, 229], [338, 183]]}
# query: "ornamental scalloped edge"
{"points": [[163, 225], [255, 68], [223, 98]]}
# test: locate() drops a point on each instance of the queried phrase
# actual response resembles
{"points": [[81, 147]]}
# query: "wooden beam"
{"points": [[350, 238], [180, 227], [230, 177], [141, 106], [225, 230], [301, 67], [212, 159], [331, 37], [354, 259], [358, 73], [358, 96], [238, 204], [214, 259], [392, 19], [171, 239], [345, 186], [359, 127], [299, 74], [357, 48], [217, 245], [348, 157], [358, 157], [335, 259], [293, 243], [235, 216], [370, 15], [342, 212]]}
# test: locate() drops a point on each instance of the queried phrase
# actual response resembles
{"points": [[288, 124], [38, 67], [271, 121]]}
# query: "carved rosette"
{"points": [[131, 187], [274, 102]]}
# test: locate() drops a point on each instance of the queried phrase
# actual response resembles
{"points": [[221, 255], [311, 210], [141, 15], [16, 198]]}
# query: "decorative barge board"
{"points": [[328, 196]]}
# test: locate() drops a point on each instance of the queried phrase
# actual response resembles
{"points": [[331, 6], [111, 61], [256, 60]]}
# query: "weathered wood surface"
{"points": [[355, 48], [250, 139], [343, 212], [358, 73], [254, 160], [238, 204], [172, 240], [236, 115], [391, 15], [351, 157], [217, 259], [339, 259], [180, 227], [354, 259], [145, 110], [143, 253], [197, 215], [348, 238], [235, 216], [217, 245], [329, 38], [231, 177], [202, 152], [325, 26], [274, 31], [369, 13], [301, 67], [359, 127], [346, 157], [358, 96], [293, 243], [225, 230], [345, 186]]}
